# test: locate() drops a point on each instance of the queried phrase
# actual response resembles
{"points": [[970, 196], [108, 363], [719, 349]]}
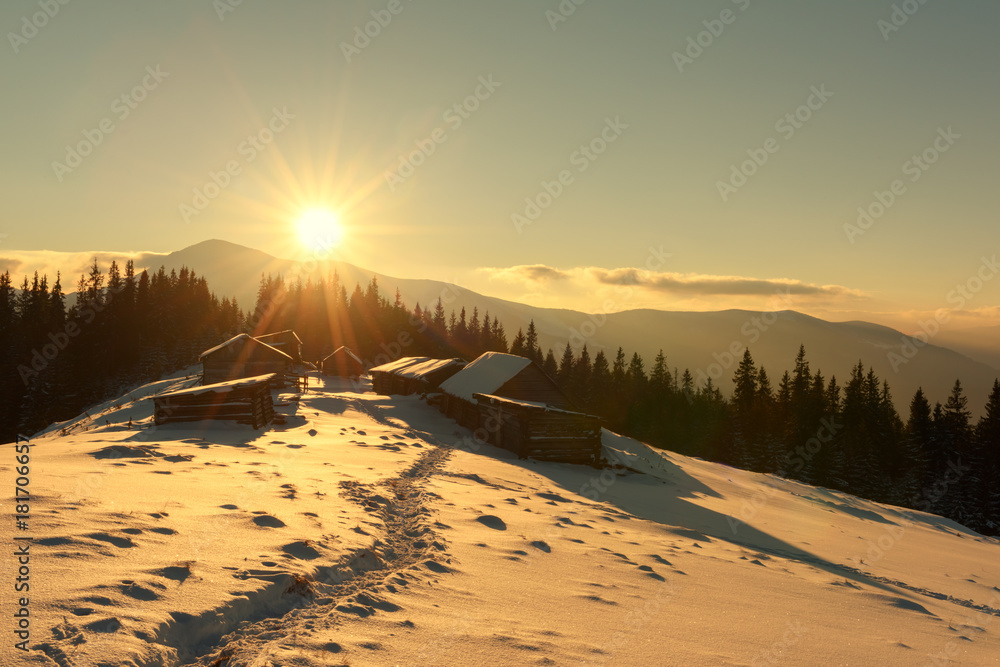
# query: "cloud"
{"points": [[686, 285], [10, 264], [535, 273], [71, 264], [708, 285]]}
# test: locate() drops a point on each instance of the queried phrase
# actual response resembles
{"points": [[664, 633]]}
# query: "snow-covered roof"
{"points": [[429, 366], [528, 404], [244, 338], [345, 350], [399, 364], [485, 375], [279, 333], [219, 387]]}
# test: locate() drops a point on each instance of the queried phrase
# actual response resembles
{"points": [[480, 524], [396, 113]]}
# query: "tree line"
{"points": [[125, 329]]}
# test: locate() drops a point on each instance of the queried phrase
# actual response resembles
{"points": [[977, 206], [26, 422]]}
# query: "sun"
{"points": [[320, 229]]}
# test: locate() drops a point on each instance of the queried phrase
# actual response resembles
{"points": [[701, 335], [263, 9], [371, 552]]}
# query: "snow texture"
{"points": [[485, 375], [372, 530]]}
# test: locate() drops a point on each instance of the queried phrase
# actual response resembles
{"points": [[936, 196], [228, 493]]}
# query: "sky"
{"points": [[834, 158]]}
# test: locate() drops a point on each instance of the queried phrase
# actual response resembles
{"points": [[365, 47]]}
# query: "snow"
{"points": [[346, 351], [220, 387], [429, 366], [372, 530], [399, 364], [527, 404], [244, 338], [485, 375]]}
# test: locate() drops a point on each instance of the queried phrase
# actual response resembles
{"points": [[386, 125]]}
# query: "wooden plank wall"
{"points": [[532, 384], [248, 405], [536, 433]]}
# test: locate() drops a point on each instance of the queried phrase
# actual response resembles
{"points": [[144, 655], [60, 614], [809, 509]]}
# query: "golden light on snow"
{"points": [[320, 229]]}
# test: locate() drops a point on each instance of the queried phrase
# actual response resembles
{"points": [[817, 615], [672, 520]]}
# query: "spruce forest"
{"points": [[125, 329]]}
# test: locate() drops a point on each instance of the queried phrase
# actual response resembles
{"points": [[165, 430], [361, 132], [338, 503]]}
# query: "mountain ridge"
{"points": [[703, 342]]}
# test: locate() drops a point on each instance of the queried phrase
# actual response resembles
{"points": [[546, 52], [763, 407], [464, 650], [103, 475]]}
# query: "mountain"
{"points": [[710, 344], [981, 343]]}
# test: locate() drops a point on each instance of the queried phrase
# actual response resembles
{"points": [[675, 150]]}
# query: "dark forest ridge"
{"points": [[708, 343]]}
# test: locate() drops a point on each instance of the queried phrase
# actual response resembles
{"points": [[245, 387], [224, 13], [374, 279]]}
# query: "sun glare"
{"points": [[320, 229]]}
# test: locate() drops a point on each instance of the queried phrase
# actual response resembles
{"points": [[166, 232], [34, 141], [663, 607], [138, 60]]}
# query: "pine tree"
{"points": [[957, 502], [917, 446], [564, 373], [550, 366], [600, 386], [517, 347], [988, 444], [533, 351], [746, 417]]}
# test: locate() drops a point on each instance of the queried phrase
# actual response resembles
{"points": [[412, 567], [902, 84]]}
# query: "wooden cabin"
{"points": [[538, 431], [287, 341], [498, 374], [385, 378], [425, 376], [242, 356], [342, 362], [246, 401]]}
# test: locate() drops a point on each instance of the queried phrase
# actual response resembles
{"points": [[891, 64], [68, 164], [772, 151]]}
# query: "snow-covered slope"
{"points": [[369, 530]]}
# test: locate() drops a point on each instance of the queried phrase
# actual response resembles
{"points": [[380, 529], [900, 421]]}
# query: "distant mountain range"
{"points": [[708, 343]]}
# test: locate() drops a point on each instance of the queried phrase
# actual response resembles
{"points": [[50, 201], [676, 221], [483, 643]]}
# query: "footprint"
{"points": [[120, 542], [598, 598], [104, 625], [542, 546], [301, 551], [175, 572], [134, 590], [491, 521], [164, 531], [435, 566], [268, 521], [100, 599]]}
